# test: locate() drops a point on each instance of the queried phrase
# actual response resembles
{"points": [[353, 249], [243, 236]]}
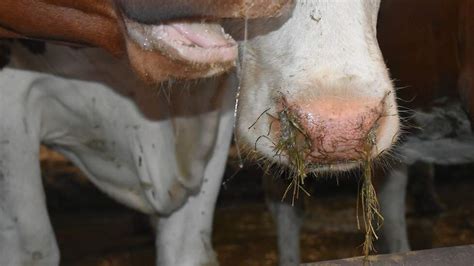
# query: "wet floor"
{"points": [[94, 231]]}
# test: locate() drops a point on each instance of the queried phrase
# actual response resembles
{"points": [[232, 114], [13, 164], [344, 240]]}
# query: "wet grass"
{"points": [[295, 144], [368, 201]]}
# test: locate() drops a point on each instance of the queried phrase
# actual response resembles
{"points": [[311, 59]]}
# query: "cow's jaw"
{"points": [[161, 46], [322, 75]]}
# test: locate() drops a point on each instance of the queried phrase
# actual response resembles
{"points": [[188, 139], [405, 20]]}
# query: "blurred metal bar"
{"points": [[459, 256]]}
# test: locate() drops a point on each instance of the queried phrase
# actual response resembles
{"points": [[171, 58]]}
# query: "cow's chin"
{"points": [[268, 157], [313, 168], [179, 50]]}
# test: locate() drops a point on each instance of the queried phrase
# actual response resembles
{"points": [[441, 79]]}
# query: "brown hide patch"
{"points": [[97, 23], [4, 33], [85, 22]]}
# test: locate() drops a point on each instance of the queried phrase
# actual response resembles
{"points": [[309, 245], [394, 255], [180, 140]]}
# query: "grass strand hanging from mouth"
{"points": [[368, 201], [295, 144]]}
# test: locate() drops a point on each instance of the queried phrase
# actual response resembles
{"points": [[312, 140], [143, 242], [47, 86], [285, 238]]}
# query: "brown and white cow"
{"points": [[319, 64], [162, 39], [160, 153], [429, 47], [323, 67]]}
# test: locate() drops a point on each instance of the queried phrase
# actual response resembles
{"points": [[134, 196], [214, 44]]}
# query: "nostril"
{"points": [[291, 129], [292, 134], [293, 142]]}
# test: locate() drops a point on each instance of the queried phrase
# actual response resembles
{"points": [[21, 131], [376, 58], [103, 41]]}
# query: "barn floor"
{"points": [[94, 231]]}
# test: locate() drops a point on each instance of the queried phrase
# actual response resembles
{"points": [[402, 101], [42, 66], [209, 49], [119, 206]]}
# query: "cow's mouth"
{"points": [[176, 40], [178, 49], [193, 42]]}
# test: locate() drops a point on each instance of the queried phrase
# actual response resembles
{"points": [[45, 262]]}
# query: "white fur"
{"points": [[289, 220], [323, 49], [394, 236], [162, 157]]}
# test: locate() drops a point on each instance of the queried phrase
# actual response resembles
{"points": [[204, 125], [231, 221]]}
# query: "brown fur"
{"points": [[98, 23], [419, 41], [86, 22], [466, 79]]}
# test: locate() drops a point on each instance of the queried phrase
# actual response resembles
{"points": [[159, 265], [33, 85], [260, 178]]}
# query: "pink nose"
{"points": [[337, 129]]}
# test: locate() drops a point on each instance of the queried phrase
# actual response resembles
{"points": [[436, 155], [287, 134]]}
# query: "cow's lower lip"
{"points": [[335, 167], [193, 42]]}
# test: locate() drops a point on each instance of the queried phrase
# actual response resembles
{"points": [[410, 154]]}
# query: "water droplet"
{"points": [[147, 44]]}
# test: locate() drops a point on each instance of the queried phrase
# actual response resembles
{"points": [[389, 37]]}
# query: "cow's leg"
{"points": [[393, 237], [422, 188], [288, 220], [26, 236], [184, 237], [10, 251]]}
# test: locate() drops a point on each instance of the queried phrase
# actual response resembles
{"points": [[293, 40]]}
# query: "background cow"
{"points": [[431, 60], [429, 52]]}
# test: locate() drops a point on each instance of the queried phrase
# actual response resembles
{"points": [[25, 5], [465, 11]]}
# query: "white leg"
{"points": [[26, 236], [10, 250], [184, 237], [394, 236], [288, 220]]}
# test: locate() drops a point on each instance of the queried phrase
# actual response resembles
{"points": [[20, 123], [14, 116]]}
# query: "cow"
{"points": [[334, 85], [181, 37], [428, 46], [445, 138], [316, 73], [437, 75], [161, 153]]}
